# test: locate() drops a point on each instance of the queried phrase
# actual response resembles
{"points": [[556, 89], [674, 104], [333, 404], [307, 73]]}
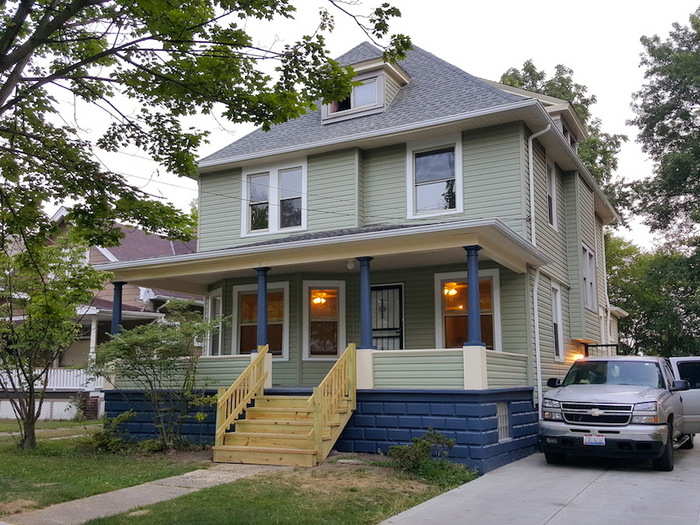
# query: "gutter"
{"points": [[531, 169], [538, 351]]}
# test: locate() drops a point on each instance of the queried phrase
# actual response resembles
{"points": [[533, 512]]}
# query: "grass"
{"points": [[64, 470], [331, 494], [10, 425]]}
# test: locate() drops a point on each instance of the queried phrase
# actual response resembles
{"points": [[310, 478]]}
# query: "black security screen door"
{"points": [[387, 317]]}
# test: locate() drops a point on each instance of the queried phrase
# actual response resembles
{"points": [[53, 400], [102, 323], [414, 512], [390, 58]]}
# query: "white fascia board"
{"points": [[107, 254], [496, 224], [220, 163]]}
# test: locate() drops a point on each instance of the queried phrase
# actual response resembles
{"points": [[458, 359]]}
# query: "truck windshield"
{"points": [[638, 373]]}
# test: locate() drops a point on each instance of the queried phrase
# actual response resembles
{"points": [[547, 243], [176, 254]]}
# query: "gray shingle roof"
{"points": [[436, 89], [360, 53]]}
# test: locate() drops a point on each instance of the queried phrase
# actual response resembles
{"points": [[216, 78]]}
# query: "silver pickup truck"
{"points": [[619, 407]]}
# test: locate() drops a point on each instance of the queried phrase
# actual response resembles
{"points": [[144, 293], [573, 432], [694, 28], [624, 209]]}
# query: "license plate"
{"points": [[596, 441]]}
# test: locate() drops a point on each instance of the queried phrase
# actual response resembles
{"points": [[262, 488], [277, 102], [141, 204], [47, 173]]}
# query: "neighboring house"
{"points": [[442, 222], [69, 380]]}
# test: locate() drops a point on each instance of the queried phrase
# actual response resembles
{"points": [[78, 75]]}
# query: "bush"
{"points": [[150, 446], [425, 458], [108, 440]]}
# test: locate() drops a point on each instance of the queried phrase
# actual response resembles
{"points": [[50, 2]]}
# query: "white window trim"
{"points": [[273, 198], [551, 177], [208, 317], [328, 116], [307, 285], [560, 352], [412, 148], [589, 276], [495, 276], [272, 286]]}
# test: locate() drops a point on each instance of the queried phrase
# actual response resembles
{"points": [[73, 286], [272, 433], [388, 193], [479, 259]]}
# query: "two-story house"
{"points": [[442, 222]]}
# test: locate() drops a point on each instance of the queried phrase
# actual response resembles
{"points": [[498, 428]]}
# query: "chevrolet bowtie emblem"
{"points": [[596, 412]]}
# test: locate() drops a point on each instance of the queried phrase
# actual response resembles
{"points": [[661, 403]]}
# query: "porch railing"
{"points": [[67, 380], [335, 395], [234, 399]]}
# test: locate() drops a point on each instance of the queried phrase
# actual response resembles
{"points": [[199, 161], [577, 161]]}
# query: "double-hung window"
{"points": [[324, 319], [213, 313], [274, 199], [552, 195], [245, 318], [434, 181], [364, 94], [557, 328], [589, 278]]}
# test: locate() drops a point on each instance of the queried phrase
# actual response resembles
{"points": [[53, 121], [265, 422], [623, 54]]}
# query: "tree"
{"points": [[667, 108], [40, 292], [160, 359], [599, 150], [172, 60], [661, 292]]}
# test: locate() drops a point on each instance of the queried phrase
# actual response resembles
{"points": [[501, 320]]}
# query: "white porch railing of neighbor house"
{"points": [[71, 380]]}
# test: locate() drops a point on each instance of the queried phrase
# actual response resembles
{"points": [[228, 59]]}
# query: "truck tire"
{"points": [[688, 444], [665, 462], [553, 458]]}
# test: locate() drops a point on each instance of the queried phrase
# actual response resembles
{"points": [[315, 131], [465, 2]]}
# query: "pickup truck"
{"points": [[619, 407]]}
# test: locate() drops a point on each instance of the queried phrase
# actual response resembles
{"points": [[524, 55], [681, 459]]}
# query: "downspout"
{"points": [[533, 239], [531, 170]]}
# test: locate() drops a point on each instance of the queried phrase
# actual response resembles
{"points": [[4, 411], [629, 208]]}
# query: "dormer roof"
{"points": [[436, 89]]}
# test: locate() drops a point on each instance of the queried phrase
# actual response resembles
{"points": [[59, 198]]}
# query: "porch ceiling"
{"points": [[420, 245]]}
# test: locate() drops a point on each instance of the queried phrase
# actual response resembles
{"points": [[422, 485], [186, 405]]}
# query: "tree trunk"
{"points": [[28, 433]]}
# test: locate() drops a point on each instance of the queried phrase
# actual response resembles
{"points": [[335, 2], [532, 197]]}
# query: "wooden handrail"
{"points": [[338, 387], [234, 399]]}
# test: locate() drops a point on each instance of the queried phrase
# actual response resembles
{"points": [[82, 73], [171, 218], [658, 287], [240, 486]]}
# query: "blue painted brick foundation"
{"points": [[389, 417], [385, 418]]}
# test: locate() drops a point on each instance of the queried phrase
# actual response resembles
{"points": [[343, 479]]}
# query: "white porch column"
{"points": [[92, 353], [475, 376]]}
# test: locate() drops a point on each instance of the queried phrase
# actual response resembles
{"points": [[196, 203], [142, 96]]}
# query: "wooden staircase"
{"points": [[252, 427]]}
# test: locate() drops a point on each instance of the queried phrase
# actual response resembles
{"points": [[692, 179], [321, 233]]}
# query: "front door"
{"points": [[387, 316]]}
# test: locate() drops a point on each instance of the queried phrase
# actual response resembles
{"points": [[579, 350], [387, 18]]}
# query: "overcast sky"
{"points": [[598, 39]]}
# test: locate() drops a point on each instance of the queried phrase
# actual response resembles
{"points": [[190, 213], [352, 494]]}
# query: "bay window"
{"points": [[324, 319], [274, 199]]}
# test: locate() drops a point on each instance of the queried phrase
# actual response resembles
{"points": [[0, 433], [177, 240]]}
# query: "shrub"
{"points": [[150, 446], [425, 458], [108, 439]]}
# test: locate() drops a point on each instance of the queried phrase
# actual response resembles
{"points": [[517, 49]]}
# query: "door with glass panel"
{"points": [[387, 316]]}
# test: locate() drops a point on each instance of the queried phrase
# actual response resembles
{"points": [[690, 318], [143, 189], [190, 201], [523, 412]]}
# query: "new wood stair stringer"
{"points": [[288, 430]]}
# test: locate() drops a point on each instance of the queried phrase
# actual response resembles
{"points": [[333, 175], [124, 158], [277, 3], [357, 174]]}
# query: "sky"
{"points": [[598, 39]]}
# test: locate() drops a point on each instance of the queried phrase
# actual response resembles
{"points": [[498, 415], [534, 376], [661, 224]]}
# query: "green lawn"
{"points": [[10, 425], [326, 495], [62, 470]]}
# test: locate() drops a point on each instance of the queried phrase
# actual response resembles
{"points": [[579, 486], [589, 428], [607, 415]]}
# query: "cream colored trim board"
{"points": [[475, 373]]}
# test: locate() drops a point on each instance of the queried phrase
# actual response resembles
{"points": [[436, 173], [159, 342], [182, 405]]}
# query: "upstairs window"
{"points": [[364, 94], [434, 180], [552, 195], [557, 322], [274, 200], [589, 278]]}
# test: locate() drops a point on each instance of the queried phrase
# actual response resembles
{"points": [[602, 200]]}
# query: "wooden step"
{"points": [[276, 426], [265, 456], [278, 413], [272, 440], [282, 402]]}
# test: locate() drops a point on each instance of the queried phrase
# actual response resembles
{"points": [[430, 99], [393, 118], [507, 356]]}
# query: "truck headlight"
{"points": [[550, 403], [646, 414], [552, 416]]}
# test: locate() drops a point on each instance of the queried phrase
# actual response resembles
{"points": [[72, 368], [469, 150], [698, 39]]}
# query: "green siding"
{"points": [[391, 89], [332, 191], [505, 370], [219, 209], [591, 323], [217, 372], [430, 369], [384, 185], [514, 310], [573, 250]]}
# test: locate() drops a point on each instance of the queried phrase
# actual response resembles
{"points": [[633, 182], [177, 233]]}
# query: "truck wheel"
{"points": [[553, 458], [665, 462], [688, 444]]}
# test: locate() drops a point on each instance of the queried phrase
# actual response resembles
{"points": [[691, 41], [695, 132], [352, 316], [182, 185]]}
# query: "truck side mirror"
{"points": [[553, 382], [680, 384]]}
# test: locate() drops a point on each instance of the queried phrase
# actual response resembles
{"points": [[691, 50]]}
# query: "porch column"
{"points": [[117, 307], [262, 306], [474, 313], [365, 304], [93, 340]]}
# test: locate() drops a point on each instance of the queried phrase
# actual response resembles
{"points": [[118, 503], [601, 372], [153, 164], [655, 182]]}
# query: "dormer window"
{"points": [[365, 98]]}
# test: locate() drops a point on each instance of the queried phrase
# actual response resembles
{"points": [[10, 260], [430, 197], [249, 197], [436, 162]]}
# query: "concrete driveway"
{"points": [[587, 492]]}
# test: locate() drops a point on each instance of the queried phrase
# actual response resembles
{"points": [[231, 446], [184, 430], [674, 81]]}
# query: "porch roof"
{"points": [[393, 246]]}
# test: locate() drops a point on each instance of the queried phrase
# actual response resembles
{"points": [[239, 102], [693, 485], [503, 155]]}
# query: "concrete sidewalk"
{"points": [[530, 492], [110, 503]]}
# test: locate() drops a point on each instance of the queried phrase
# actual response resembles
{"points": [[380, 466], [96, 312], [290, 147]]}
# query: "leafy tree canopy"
{"points": [[599, 150], [172, 60], [667, 111]]}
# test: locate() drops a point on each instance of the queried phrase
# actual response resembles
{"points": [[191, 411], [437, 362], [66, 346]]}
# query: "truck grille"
{"points": [[596, 414]]}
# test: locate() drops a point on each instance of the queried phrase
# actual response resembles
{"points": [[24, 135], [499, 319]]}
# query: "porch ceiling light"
{"points": [[449, 290], [318, 299]]}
